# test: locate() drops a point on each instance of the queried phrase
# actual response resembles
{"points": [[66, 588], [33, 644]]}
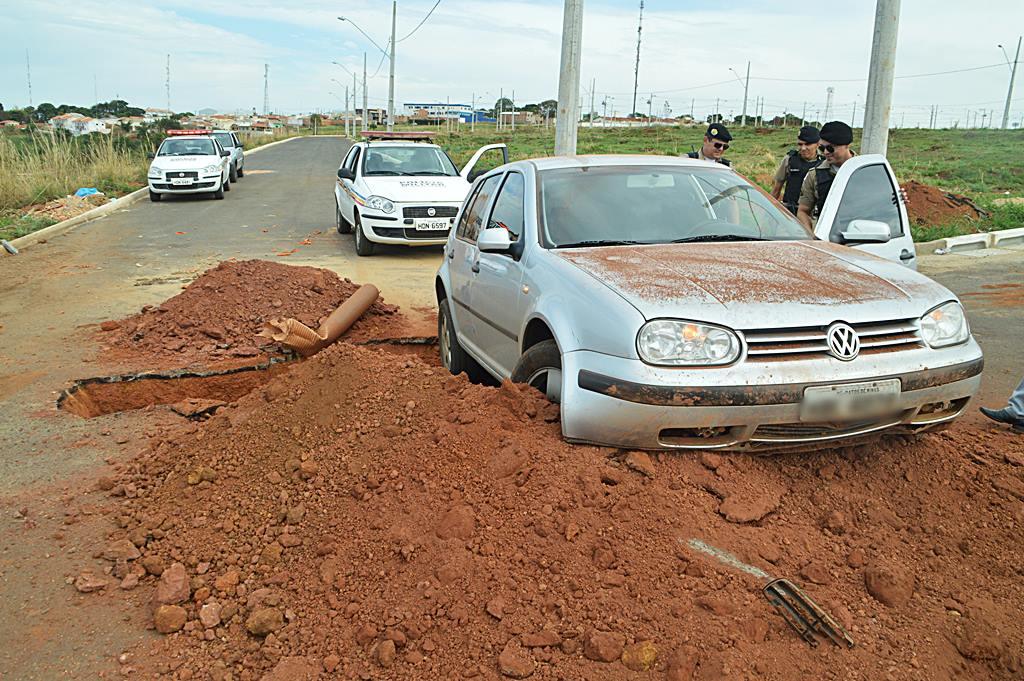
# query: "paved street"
{"points": [[53, 295]]}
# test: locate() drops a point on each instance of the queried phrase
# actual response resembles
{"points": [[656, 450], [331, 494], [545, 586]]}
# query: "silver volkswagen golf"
{"points": [[669, 303]]}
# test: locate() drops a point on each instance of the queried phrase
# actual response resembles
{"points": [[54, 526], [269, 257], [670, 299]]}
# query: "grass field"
{"points": [[982, 164]]}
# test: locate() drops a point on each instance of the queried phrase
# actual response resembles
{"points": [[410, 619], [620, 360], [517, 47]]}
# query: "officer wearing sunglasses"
{"points": [[834, 146], [716, 142]]}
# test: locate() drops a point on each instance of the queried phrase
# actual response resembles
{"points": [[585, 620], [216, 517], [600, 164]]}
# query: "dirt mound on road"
{"points": [[366, 515], [928, 205], [218, 316]]}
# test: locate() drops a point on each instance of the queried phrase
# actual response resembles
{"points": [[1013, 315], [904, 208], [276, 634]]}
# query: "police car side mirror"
{"points": [[346, 174], [150, 156], [225, 152]]}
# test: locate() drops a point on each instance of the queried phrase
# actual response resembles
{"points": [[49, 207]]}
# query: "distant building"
{"points": [[153, 115]]}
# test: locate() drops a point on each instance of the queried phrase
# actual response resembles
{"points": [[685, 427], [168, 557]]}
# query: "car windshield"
{"points": [[609, 205], [407, 160], [187, 147], [225, 139]]}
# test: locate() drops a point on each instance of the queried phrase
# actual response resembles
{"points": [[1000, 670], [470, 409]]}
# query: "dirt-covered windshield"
{"points": [[594, 206]]}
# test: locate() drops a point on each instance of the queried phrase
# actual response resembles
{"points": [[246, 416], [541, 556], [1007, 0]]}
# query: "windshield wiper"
{"points": [[716, 237], [602, 242], [432, 172]]}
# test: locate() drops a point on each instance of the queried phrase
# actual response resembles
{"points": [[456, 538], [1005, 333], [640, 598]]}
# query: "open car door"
{"points": [[865, 210], [476, 167]]}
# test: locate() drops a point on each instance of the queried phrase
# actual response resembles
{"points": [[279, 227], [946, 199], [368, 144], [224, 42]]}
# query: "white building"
{"points": [[437, 110], [78, 124], [153, 115]]}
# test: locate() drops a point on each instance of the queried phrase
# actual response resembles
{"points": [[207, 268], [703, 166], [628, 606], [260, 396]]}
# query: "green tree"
{"points": [[503, 104], [547, 108]]}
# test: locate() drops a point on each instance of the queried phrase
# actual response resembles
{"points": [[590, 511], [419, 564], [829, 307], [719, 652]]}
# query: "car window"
{"points": [[473, 220], [347, 161], [188, 147], [460, 229], [657, 204], [354, 161], [224, 138], [508, 211], [869, 195], [407, 160]]}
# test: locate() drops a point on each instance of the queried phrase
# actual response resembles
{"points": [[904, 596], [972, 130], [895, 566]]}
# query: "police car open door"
{"points": [[865, 210], [476, 167]]}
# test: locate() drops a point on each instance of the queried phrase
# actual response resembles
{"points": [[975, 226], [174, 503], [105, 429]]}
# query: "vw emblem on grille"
{"points": [[843, 341], [431, 212]]}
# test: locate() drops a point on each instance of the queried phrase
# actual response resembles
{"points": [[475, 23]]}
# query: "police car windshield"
{"points": [[407, 160], [196, 146], [225, 139], [657, 205]]}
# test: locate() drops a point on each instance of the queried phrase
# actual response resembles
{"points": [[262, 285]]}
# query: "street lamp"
{"points": [[391, 56], [746, 88]]}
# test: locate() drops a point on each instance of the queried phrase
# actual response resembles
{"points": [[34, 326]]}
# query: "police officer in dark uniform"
{"points": [[834, 146], [795, 165], [716, 142]]}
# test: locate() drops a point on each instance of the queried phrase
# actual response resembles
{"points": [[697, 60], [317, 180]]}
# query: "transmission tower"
{"points": [[828, 101], [636, 72], [266, 89], [28, 76], [168, 85]]}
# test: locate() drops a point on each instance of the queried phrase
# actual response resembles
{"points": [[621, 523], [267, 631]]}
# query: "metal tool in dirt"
{"points": [[8, 246], [801, 613]]}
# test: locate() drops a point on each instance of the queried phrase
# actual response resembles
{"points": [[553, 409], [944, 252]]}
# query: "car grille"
{"points": [[174, 187], [182, 173], [805, 432], [421, 211], [772, 345], [411, 234]]}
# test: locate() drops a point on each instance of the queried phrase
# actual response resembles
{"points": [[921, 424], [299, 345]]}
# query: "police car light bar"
{"points": [[174, 133], [410, 136]]}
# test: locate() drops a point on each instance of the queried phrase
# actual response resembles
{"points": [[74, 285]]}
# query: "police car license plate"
{"points": [[431, 225], [179, 181], [849, 401]]}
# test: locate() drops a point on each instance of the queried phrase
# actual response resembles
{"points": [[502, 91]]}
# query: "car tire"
{"points": [[227, 185], [453, 357], [364, 246], [344, 226], [154, 197], [541, 367], [219, 192], [241, 171], [233, 174]]}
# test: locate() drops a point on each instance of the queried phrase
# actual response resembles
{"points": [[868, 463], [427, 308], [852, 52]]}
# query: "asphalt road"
{"points": [[53, 295]]}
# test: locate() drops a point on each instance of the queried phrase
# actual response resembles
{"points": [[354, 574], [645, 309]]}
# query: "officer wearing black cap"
{"points": [[794, 167], [716, 141], [834, 146]]}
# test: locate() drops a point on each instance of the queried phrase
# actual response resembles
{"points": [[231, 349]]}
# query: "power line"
{"points": [[860, 80], [422, 22]]}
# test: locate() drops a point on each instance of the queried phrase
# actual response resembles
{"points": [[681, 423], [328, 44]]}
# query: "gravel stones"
{"points": [[457, 523], [173, 586], [640, 462], [889, 584], [738, 508], [515, 662], [264, 621], [169, 618], [123, 549], [87, 582], [209, 615], [603, 646], [640, 657]]}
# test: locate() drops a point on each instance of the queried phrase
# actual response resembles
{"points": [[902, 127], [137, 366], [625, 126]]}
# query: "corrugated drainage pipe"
{"points": [[293, 334]]}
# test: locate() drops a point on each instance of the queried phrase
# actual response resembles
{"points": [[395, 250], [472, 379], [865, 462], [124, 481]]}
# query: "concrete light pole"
{"points": [[569, 78], [391, 77], [878, 104], [1009, 92], [366, 111]]}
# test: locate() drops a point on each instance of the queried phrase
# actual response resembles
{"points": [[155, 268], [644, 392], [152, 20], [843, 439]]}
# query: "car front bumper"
{"points": [[397, 229], [199, 186], [621, 402]]}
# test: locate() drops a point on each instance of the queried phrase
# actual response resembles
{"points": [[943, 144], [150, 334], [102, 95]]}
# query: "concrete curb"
{"points": [[1004, 238], [123, 202]]}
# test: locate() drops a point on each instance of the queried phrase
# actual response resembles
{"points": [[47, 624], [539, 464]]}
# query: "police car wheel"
{"points": [[344, 226], [233, 174], [218, 193], [241, 171], [363, 245], [153, 196], [227, 185]]}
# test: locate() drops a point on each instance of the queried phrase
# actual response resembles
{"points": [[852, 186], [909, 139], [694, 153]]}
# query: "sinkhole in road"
{"points": [[203, 389]]}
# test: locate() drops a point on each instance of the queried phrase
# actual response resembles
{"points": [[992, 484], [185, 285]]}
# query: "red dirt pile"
{"points": [[928, 205], [367, 516], [217, 316]]}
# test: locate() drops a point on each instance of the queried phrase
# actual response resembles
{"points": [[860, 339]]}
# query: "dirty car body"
{"points": [[690, 310]]}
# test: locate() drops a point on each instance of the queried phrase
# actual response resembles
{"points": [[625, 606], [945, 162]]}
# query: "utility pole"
{"points": [[830, 91], [472, 120], [167, 83], [513, 112], [266, 89], [744, 108], [853, 121], [803, 116], [746, 89], [650, 108], [501, 106], [366, 111], [355, 89], [569, 78], [391, 77], [636, 71], [346, 111], [604, 118], [28, 76], [693, 102], [1009, 92], [593, 86], [878, 104]]}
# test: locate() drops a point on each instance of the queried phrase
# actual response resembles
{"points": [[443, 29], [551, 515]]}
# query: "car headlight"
{"points": [[212, 168], [156, 172], [381, 204], [945, 325], [682, 343]]}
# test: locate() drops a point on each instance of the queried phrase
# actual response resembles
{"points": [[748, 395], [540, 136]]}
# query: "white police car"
{"points": [[189, 162], [396, 189]]}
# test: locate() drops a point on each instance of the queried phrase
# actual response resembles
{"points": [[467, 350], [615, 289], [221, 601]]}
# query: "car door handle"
{"points": [[476, 266], [906, 255], [451, 254]]}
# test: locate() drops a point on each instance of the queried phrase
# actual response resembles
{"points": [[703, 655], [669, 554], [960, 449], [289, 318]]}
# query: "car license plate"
{"points": [[849, 401], [431, 225], [180, 181]]}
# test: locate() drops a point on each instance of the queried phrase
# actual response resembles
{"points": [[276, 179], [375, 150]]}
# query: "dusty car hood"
{"points": [[752, 285], [426, 189]]}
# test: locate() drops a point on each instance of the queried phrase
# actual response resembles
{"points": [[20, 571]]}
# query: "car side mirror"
{"points": [[346, 174], [473, 174], [494, 240], [150, 156], [866, 232], [225, 152]]}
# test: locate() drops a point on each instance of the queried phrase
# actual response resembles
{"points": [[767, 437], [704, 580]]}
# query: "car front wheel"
{"points": [[453, 357], [153, 196], [219, 192], [344, 226], [363, 245], [233, 174], [541, 367]]}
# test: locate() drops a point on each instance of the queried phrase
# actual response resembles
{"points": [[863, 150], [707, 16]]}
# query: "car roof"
{"points": [[188, 137], [604, 160], [397, 143]]}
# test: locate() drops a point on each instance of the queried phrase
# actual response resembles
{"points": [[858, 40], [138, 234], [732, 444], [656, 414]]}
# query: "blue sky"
{"points": [[218, 48]]}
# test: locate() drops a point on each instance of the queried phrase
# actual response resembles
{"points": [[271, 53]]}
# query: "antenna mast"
{"points": [[636, 72], [266, 89], [168, 85], [28, 76]]}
